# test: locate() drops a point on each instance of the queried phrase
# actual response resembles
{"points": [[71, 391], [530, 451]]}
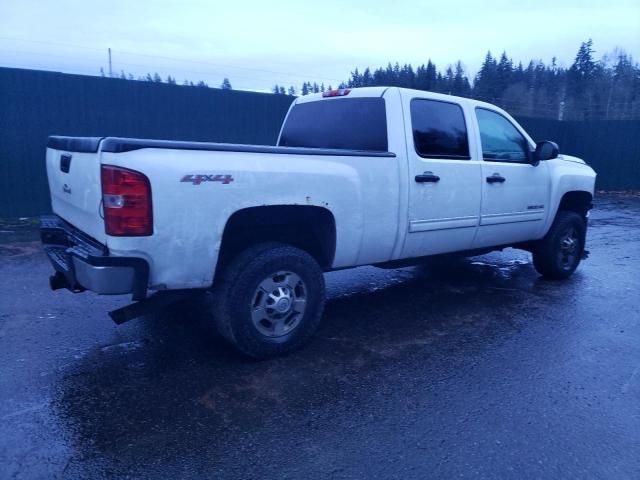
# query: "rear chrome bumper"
{"points": [[81, 263]]}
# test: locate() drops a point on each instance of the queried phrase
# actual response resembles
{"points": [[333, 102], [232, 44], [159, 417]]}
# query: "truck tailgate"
{"points": [[73, 171]]}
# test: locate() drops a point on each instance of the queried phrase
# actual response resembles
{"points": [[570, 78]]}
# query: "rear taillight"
{"points": [[126, 200]]}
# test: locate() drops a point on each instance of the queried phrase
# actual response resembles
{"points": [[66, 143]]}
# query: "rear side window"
{"points": [[439, 130], [345, 123]]}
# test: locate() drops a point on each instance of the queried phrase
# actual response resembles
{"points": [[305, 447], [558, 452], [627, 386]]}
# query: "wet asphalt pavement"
{"points": [[477, 370]]}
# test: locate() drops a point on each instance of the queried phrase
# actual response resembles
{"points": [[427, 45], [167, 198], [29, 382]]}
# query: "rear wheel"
{"points": [[558, 254], [269, 299]]}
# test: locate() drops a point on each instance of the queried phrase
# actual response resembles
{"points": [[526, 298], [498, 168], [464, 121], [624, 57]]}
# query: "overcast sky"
{"points": [[259, 43]]}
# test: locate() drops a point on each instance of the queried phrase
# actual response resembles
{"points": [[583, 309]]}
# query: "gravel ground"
{"points": [[477, 370]]}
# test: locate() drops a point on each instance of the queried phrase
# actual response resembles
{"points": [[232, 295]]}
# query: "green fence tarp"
{"points": [[35, 104]]}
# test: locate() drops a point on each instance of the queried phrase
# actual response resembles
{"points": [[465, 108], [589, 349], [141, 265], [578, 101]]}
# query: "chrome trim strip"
{"points": [[442, 223]]}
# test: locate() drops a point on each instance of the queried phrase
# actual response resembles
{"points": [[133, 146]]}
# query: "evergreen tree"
{"points": [[355, 80], [406, 76], [440, 85], [367, 79], [431, 76], [504, 70], [517, 74], [460, 85], [447, 86], [485, 86], [580, 83], [624, 99], [226, 84], [584, 66]]}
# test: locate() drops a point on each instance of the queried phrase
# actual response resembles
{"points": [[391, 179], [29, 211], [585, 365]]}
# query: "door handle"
{"points": [[496, 178], [427, 177]]}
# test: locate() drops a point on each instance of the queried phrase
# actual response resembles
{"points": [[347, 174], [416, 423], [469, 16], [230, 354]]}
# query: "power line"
{"points": [[163, 57], [143, 68]]}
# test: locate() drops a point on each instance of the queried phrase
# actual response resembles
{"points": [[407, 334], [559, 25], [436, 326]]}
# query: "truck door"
{"points": [[515, 193], [444, 177]]}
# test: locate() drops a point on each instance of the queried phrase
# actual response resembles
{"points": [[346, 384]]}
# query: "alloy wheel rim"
{"points": [[569, 249], [278, 304]]}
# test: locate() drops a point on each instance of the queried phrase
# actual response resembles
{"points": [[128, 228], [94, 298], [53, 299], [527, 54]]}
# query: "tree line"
{"points": [[589, 89], [156, 78], [608, 88]]}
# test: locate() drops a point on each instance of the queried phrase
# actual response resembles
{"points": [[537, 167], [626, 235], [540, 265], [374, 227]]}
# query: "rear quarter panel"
{"points": [[189, 219]]}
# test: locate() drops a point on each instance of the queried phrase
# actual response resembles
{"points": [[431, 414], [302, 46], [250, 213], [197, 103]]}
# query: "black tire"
{"points": [[558, 254], [235, 301]]}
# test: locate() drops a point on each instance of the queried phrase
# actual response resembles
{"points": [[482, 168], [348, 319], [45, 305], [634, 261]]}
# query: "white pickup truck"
{"points": [[367, 176]]}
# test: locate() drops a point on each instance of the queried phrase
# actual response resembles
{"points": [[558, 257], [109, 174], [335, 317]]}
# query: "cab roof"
{"points": [[379, 92]]}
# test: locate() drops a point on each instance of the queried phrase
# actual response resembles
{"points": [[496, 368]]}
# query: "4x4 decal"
{"points": [[198, 179]]}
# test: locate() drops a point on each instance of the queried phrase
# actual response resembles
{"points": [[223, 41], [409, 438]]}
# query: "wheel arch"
{"points": [[310, 228], [578, 201]]}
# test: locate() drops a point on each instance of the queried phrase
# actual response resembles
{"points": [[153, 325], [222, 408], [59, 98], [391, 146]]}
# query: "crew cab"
{"points": [[366, 176]]}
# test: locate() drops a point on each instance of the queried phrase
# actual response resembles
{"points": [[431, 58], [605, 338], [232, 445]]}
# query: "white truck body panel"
{"points": [[191, 218], [443, 216], [76, 195], [381, 214]]}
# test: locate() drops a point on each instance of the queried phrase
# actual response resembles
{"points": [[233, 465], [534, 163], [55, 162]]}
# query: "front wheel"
{"points": [[269, 299], [558, 254]]}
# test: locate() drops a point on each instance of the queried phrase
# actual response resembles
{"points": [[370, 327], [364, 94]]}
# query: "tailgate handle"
{"points": [[65, 162]]}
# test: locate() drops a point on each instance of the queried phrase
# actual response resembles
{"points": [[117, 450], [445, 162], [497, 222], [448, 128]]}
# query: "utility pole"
{"points": [[110, 69]]}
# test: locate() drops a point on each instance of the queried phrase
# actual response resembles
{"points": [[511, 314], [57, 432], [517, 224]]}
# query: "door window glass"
{"points": [[439, 130], [501, 141]]}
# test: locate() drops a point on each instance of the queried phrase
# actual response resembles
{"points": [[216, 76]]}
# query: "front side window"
{"points": [[439, 130], [501, 140]]}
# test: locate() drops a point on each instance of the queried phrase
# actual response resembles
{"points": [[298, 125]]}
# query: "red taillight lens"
{"points": [[336, 93], [126, 200]]}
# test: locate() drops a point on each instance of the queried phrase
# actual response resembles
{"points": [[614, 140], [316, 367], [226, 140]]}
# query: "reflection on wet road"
{"points": [[475, 368]]}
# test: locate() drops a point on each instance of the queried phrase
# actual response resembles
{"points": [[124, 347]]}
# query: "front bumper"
{"points": [[81, 263]]}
